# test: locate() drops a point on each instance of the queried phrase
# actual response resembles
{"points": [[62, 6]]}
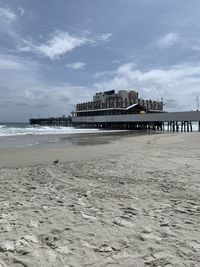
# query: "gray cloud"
{"points": [[7, 14], [172, 103], [76, 65], [8, 62], [168, 40], [21, 10], [26, 91]]}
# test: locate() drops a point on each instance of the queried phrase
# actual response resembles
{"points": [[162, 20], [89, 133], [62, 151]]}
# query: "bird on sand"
{"points": [[56, 161]]}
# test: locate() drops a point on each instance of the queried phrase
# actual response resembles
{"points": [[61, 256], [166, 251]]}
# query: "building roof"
{"points": [[104, 109], [134, 105]]}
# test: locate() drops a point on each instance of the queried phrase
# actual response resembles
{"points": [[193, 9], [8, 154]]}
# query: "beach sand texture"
{"points": [[133, 202]]}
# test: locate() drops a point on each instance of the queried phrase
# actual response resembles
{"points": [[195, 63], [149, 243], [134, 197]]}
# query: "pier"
{"points": [[172, 121], [53, 121]]}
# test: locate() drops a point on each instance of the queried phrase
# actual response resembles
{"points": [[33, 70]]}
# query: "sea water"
{"points": [[14, 129], [25, 135]]}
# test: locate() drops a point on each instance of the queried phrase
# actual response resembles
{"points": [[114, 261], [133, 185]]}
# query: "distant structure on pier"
{"points": [[125, 110], [52, 121], [112, 103]]}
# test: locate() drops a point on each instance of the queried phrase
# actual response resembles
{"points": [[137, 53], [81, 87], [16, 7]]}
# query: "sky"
{"points": [[57, 53]]}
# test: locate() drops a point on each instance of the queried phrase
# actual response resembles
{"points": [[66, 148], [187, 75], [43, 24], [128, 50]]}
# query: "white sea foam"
{"points": [[41, 130]]}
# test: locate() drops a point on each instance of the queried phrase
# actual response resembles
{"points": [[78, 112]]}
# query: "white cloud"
{"points": [[60, 43], [168, 40], [196, 48], [127, 74], [195, 45], [76, 65], [6, 13], [7, 24], [16, 65], [180, 82], [125, 68], [105, 37], [17, 70]]}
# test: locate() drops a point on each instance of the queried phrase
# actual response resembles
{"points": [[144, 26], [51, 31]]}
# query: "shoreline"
{"points": [[15, 141], [64, 147], [95, 146]]}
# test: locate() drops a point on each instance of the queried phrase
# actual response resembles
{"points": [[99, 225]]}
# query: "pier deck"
{"points": [[175, 121]]}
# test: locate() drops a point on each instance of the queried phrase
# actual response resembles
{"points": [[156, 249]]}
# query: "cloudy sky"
{"points": [[56, 53]]}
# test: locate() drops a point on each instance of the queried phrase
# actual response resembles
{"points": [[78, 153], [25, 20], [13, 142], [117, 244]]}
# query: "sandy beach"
{"points": [[132, 202]]}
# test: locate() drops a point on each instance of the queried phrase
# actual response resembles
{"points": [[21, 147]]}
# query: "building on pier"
{"points": [[111, 103]]}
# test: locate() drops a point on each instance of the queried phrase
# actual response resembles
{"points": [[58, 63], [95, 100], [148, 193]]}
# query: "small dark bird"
{"points": [[56, 161]]}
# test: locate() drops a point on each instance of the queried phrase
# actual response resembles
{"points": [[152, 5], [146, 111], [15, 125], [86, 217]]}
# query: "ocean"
{"points": [[16, 135], [14, 129]]}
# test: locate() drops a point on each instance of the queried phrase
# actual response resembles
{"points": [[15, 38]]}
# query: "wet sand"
{"points": [[134, 201], [101, 137], [30, 150]]}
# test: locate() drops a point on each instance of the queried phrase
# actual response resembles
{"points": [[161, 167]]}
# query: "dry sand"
{"points": [[133, 202]]}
